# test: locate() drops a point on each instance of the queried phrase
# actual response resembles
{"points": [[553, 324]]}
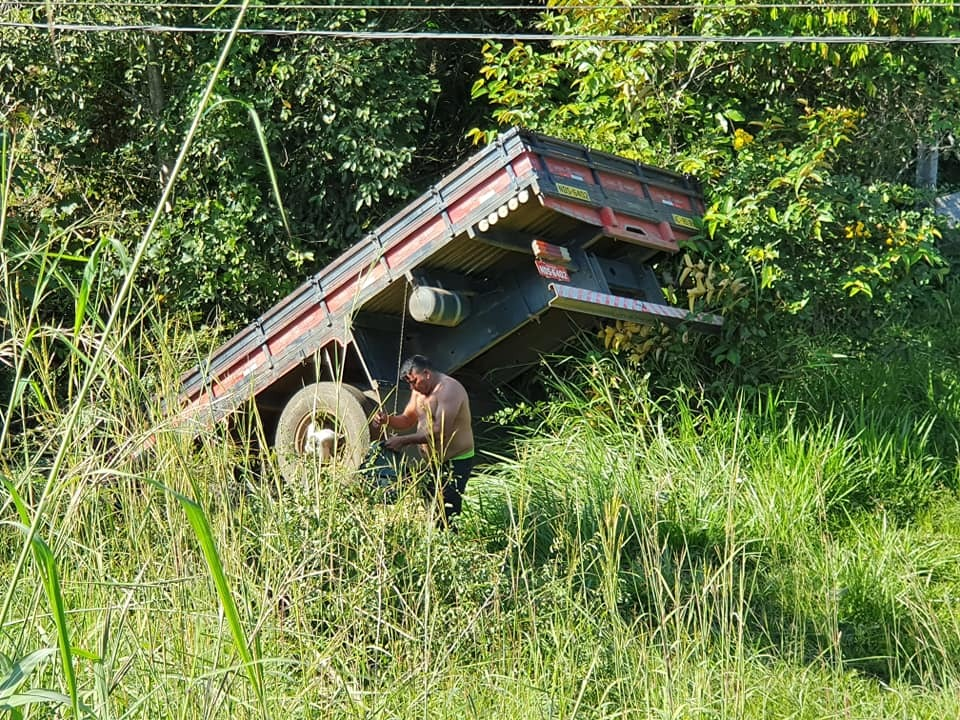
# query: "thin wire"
{"points": [[403, 320], [932, 4], [521, 37]]}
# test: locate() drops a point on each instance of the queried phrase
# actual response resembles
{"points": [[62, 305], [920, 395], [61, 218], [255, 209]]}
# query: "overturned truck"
{"points": [[527, 243]]}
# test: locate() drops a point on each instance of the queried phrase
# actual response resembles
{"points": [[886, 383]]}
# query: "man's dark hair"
{"points": [[416, 363]]}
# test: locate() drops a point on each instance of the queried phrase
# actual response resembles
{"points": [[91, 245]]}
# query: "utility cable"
{"points": [[498, 36], [210, 6]]}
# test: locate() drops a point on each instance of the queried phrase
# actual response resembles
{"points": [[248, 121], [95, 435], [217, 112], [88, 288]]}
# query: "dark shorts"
{"points": [[390, 469], [453, 478]]}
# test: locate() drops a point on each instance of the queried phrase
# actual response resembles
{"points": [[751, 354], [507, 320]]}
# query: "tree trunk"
{"points": [[928, 160], [157, 101]]}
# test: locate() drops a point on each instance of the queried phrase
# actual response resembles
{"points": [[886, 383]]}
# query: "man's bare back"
{"points": [[443, 416]]}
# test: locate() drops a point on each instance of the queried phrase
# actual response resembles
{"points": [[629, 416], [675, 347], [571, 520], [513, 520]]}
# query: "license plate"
{"points": [[551, 271]]}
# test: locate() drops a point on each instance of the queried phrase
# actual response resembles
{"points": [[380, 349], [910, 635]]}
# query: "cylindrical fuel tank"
{"points": [[438, 306]]}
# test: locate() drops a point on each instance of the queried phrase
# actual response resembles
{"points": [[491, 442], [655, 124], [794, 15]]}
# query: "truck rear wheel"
{"points": [[325, 423]]}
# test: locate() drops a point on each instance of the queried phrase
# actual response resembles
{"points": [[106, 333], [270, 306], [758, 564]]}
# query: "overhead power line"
{"points": [[520, 37], [839, 5]]}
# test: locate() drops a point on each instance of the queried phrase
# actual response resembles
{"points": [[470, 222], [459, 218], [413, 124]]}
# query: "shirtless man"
{"points": [[440, 411]]}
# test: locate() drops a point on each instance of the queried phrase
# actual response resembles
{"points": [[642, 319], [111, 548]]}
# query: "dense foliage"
{"points": [[308, 141], [804, 149], [633, 555], [641, 545]]}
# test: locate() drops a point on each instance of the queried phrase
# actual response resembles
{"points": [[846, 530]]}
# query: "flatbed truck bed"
{"points": [[506, 258]]}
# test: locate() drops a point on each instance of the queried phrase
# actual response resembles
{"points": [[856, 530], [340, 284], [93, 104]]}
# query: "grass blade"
{"points": [[50, 578], [33, 697], [18, 671], [204, 534], [72, 418], [83, 293]]}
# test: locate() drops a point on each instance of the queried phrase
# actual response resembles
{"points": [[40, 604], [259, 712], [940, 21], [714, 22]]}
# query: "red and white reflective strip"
{"points": [[618, 306]]}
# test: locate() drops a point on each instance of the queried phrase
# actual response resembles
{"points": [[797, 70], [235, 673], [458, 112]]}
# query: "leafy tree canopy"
{"points": [[310, 140], [804, 148]]}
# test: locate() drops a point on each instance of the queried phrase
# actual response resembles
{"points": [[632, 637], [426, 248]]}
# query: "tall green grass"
{"points": [[632, 554], [631, 557], [763, 519]]}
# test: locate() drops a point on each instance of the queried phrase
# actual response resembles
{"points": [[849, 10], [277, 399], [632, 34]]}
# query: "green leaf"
{"points": [[205, 538], [18, 671], [33, 697], [768, 276], [51, 584]]}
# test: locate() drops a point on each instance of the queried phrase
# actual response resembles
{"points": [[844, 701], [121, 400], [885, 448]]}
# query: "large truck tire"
{"points": [[367, 400], [327, 424]]}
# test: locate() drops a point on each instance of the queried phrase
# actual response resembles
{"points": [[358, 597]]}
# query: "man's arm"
{"points": [[404, 421], [437, 426]]}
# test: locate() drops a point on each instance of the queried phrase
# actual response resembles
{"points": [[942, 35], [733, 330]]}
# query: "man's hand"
{"points": [[395, 443]]}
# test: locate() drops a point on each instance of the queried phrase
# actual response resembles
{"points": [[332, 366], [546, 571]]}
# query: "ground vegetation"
{"points": [[763, 524]]}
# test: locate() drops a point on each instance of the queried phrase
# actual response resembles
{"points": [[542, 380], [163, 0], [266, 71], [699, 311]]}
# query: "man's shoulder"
{"points": [[451, 386], [454, 382]]}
